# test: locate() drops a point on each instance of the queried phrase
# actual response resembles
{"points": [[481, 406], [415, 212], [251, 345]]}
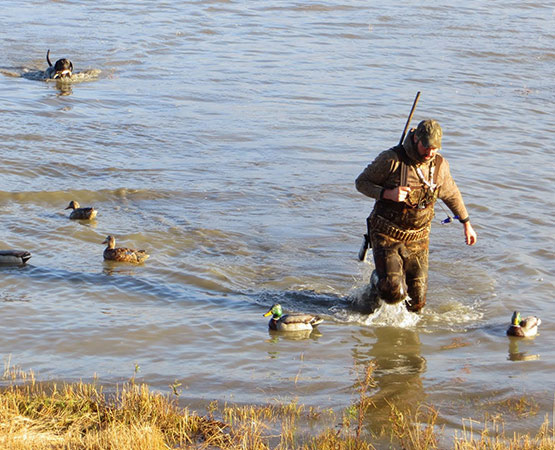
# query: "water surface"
{"points": [[224, 138]]}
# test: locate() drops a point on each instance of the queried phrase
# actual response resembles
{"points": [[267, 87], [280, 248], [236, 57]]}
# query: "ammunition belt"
{"points": [[380, 225]]}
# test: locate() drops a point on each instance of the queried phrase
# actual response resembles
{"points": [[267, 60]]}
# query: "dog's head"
{"points": [[61, 69]]}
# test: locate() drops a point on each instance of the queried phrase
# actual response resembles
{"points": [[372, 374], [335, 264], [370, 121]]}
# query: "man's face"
{"points": [[427, 153]]}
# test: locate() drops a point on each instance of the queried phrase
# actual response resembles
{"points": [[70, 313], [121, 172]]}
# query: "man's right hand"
{"points": [[399, 194]]}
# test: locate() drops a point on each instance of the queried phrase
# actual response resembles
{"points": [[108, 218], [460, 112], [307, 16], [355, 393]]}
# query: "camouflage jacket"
{"points": [[385, 173]]}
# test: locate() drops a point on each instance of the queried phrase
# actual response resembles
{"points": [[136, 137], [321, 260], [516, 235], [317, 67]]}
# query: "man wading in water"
{"points": [[406, 181]]}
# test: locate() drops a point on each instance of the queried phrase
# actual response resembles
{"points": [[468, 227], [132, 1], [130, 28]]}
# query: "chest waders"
{"points": [[399, 235]]}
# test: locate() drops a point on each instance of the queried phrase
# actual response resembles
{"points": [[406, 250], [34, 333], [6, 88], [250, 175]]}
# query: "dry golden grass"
{"points": [[416, 430], [37, 416], [80, 416], [493, 437]]}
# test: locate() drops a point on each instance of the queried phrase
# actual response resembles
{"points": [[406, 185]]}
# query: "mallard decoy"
{"points": [[122, 254], [81, 213], [292, 321], [527, 327], [14, 257]]}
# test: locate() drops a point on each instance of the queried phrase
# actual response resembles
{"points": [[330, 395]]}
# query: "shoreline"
{"points": [[49, 415]]}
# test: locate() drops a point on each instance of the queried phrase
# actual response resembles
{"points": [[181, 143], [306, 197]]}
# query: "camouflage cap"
{"points": [[429, 133]]}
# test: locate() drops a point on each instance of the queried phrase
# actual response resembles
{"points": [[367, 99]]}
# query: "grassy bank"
{"points": [[43, 416]]}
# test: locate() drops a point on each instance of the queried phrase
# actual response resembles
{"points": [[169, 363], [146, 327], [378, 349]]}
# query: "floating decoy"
{"points": [[81, 213], [14, 257], [291, 321], [122, 254], [526, 327]]}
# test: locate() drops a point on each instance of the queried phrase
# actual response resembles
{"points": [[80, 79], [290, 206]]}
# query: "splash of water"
{"points": [[453, 315], [386, 316], [393, 315]]}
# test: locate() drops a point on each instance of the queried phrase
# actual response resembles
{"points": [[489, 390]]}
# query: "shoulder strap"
{"points": [[405, 162], [437, 162]]}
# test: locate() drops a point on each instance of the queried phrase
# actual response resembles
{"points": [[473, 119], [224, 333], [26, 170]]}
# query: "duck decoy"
{"points": [[526, 327], [291, 321], [14, 257], [122, 254], [81, 213]]}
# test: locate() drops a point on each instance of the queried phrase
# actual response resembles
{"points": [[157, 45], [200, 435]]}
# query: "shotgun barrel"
{"points": [[404, 168]]}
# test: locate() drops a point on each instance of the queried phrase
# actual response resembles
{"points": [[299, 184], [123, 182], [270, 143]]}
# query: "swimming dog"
{"points": [[63, 68]]}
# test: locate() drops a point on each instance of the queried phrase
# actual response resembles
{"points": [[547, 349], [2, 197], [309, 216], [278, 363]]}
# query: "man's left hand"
{"points": [[469, 234]]}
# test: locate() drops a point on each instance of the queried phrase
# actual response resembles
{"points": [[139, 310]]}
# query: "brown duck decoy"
{"points": [[81, 213], [122, 254]]}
